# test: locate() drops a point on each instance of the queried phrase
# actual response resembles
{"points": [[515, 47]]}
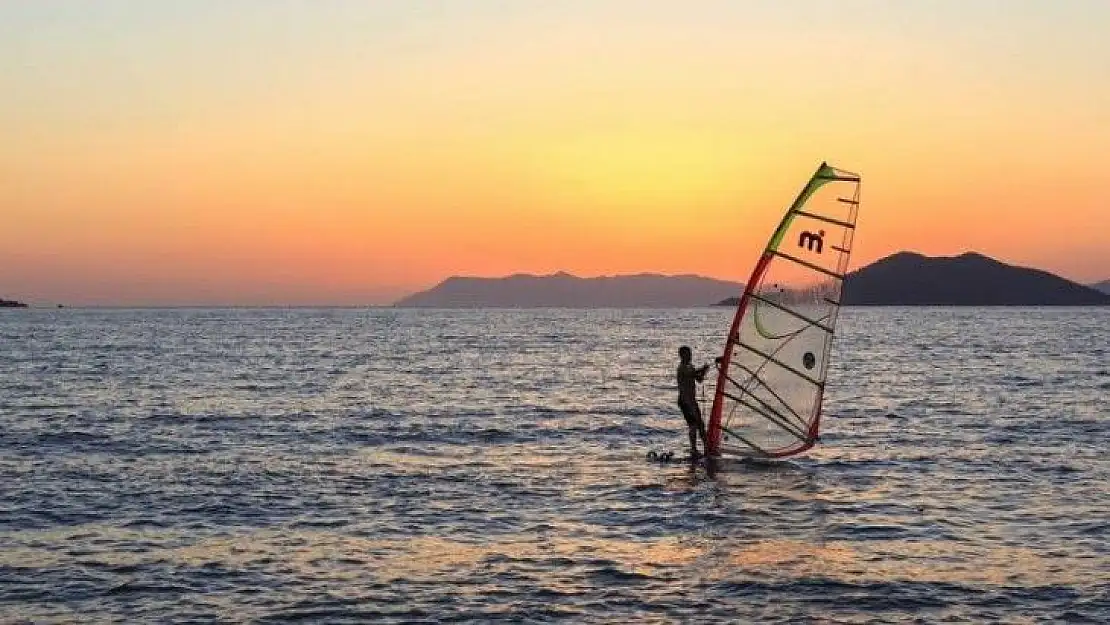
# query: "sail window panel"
{"points": [[769, 397], [773, 408]]}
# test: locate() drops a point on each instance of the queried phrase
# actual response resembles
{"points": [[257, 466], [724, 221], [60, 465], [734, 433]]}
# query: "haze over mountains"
{"points": [[905, 278], [565, 290], [1103, 286]]}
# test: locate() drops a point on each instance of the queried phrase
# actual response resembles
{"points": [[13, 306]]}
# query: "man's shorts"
{"points": [[692, 412]]}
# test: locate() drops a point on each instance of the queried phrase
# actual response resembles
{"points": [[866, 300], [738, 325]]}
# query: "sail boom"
{"points": [[767, 387], [781, 364], [769, 414]]}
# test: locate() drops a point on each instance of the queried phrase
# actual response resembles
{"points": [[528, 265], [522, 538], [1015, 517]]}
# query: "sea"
{"points": [[422, 466]]}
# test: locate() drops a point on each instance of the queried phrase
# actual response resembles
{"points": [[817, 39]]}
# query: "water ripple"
{"points": [[293, 466]]}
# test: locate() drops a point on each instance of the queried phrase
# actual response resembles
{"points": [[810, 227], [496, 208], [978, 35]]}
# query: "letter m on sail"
{"points": [[812, 242]]}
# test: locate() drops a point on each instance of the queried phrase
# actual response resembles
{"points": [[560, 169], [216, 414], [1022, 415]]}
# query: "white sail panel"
{"points": [[772, 374]]}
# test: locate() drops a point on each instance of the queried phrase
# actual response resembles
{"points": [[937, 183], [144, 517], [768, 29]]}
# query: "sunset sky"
{"points": [[326, 152]]}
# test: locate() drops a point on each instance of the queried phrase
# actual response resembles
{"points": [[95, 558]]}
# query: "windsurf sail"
{"points": [[771, 376]]}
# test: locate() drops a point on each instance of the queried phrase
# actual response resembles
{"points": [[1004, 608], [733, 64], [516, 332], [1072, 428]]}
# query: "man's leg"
{"points": [[691, 413], [704, 436], [700, 423]]}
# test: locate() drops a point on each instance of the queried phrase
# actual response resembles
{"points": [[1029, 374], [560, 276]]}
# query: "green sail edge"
{"points": [[820, 178]]}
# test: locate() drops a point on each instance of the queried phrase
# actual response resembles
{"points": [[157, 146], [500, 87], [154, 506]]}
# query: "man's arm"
{"points": [[700, 373]]}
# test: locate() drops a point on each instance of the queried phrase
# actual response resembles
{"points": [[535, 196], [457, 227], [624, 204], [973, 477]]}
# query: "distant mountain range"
{"points": [[970, 279], [565, 290], [1103, 286], [7, 303], [902, 279]]}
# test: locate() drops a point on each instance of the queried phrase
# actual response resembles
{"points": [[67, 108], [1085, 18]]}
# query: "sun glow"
{"points": [[639, 171]]}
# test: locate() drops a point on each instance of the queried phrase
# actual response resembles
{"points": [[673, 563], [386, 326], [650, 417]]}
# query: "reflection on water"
{"points": [[332, 466]]}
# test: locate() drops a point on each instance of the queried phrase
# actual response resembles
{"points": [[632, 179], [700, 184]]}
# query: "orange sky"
{"points": [[350, 152]]}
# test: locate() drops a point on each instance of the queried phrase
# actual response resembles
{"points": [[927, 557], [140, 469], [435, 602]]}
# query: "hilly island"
{"points": [[970, 279], [902, 279]]}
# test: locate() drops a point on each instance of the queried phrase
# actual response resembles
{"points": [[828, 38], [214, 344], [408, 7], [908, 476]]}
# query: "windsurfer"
{"points": [[688, 377]]}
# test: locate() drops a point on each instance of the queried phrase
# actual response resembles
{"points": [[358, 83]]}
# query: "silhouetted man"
{"points": [[688, 377]]}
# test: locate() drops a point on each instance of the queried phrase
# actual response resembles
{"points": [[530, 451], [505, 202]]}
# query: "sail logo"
{"points": [[812, 242]]}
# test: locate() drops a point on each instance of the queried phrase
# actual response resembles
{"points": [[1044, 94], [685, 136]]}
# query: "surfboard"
{"points": [[670, 457]]}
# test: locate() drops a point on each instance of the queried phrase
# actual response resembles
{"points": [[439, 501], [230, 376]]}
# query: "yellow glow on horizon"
{"points": [[638, 171]]}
